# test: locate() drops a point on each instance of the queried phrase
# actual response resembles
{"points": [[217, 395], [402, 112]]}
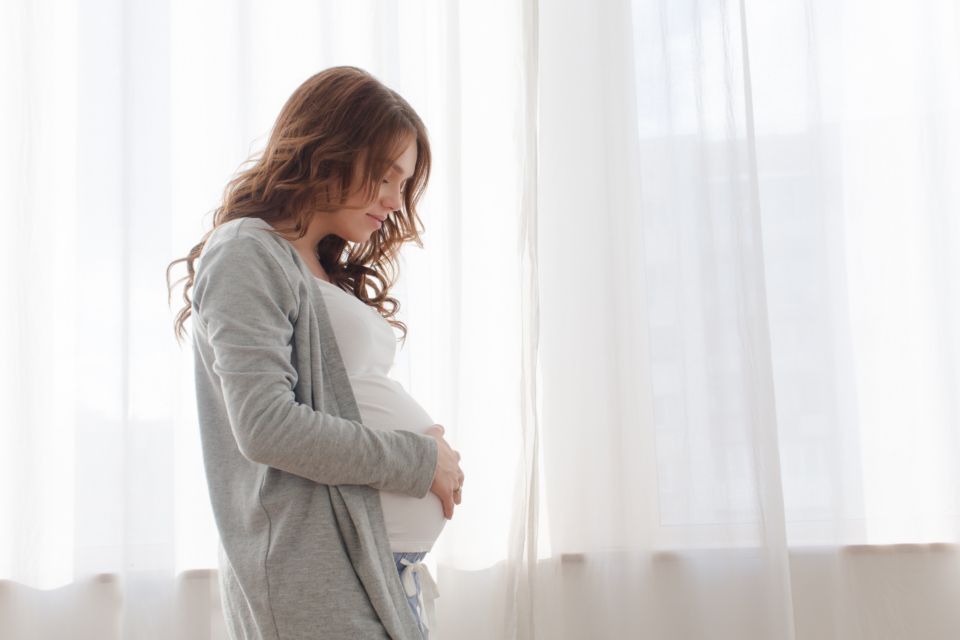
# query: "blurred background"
{"points": [[703, 254]]}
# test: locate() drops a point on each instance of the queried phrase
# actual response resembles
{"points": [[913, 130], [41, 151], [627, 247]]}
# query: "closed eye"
{"points": [[403, 185]]}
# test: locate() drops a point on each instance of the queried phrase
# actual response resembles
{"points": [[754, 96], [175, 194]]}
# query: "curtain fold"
{"points": [[523, 551], [703, 254]]}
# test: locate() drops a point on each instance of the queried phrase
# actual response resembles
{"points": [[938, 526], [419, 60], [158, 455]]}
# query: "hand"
{"points": [[448, 475]]}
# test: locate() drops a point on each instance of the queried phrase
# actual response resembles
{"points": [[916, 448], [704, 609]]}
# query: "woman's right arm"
{"points": [[247, 308]]}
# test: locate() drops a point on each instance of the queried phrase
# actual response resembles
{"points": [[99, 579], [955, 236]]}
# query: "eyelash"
{"points": [[403, 187]]}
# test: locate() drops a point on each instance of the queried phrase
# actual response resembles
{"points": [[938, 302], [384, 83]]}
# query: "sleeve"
{"points": [[246, 304]]}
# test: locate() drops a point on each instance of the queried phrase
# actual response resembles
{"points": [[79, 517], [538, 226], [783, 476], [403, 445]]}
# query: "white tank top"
{"points": [[368, 346]]}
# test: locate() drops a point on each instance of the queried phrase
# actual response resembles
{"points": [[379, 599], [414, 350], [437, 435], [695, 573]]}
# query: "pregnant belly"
{"points": [[413, 524]]}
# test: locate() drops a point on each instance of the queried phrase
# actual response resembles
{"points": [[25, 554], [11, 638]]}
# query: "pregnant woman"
{"points": [[328, 482]]}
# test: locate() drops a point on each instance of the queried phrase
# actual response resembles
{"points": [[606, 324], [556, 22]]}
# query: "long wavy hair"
{"points": [[337, 134]]}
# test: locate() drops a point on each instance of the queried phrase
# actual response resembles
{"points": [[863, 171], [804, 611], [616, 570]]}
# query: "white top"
{"points": [[368, 345]]}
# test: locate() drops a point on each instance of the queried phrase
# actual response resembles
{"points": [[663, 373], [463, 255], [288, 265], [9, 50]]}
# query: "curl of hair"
{"points": [[339, 124]]}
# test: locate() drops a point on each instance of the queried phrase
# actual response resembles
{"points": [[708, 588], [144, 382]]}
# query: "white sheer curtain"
{"points": [[748, 227], [688, 306]]}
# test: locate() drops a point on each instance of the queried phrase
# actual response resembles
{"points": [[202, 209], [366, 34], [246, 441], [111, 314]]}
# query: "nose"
{"points": [[391, 199]]}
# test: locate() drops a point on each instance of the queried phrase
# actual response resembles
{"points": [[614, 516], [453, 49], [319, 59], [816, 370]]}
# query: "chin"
{"points": [[360, 238]]}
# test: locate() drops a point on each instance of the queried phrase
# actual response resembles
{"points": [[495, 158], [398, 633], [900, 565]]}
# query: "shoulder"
{"points": [[243, 234], [250, 239], [243, 253]]}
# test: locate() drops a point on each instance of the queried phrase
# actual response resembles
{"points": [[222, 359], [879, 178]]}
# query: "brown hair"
{"points": [[338, 124]]}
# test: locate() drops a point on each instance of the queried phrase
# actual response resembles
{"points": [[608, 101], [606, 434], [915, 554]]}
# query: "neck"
{"points": [[307, 248]]}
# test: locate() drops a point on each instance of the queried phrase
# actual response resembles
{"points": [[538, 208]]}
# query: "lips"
{"points": [[377, 221]]}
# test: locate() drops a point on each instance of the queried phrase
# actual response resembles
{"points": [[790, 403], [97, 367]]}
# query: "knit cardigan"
{"points": [[293, 475]]}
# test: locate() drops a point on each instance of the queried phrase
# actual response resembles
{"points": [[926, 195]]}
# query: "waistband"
{"points": [[428, 587]]}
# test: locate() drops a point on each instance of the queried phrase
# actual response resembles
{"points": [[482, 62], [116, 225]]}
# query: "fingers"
{"points": [[458, 495], [451, 499]]}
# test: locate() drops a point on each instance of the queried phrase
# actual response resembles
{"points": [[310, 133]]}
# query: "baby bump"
{"points": [[413, 524], [385, 404]]}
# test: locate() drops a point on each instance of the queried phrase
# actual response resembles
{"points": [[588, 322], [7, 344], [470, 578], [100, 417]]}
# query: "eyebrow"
{"points": [[396, 167]]}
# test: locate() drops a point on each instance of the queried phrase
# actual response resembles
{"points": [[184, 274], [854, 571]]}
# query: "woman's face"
{"points": [[359, 218]]}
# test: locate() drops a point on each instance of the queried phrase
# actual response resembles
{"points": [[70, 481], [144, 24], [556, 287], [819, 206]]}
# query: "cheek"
{"points": [[362, 200]]}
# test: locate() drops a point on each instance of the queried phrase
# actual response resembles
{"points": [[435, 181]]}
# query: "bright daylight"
{"points": [[502, 320]]}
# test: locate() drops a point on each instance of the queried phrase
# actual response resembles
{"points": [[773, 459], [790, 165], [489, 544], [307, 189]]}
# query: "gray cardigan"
{"points": [[293, 475]]}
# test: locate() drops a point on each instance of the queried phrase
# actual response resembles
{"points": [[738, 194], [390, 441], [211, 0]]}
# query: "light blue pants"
{"points": [[412, 556]]}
